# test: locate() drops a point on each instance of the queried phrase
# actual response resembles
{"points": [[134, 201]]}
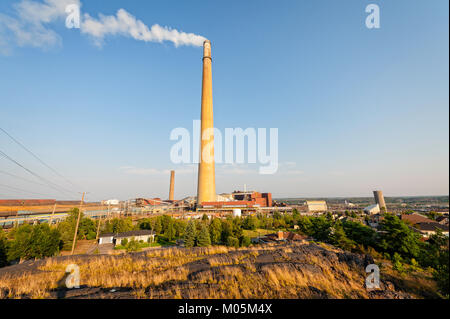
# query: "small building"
{"points": [[443, 220], [428, 229], [372, 209], [106, 238], [138, 235], [111, 202]]}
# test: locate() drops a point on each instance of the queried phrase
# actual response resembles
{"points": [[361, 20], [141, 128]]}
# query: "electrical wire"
{"points": [[50, 184], [38, 158]]}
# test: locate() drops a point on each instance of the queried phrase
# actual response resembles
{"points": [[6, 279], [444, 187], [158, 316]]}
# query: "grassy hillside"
{"points": [[296, 270]]}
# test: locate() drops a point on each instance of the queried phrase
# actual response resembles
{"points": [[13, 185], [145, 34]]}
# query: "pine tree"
{"points": [[215, 230], [203, 239], [170, 232], [189, 235]]}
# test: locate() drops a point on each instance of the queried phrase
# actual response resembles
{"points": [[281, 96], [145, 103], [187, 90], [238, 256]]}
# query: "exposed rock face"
{"points": [[284, 270]]}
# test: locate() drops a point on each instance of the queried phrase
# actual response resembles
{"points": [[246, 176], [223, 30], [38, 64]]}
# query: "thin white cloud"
{"points": [[188, 169], [29, 25]]}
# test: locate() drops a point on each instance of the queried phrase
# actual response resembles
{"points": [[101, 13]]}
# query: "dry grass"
{"points": [[269, 271]]}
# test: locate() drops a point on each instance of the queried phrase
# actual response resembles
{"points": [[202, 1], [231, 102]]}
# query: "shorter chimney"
{"points": [[172, 185]]}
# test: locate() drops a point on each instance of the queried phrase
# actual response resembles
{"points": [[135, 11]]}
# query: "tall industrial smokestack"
{"points": [[379, 199], [172, 185], [206, 190]]}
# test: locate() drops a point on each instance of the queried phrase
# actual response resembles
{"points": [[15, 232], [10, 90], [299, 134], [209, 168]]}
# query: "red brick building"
{"points": [[244, 199]]}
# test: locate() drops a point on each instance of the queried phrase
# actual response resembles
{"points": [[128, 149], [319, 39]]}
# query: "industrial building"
{"points": [[241, 200], [316, 206]]}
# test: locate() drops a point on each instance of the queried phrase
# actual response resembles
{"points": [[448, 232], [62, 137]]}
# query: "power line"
{"points": [[52, 185], [22, 190], [38, 158], [23, 179]]}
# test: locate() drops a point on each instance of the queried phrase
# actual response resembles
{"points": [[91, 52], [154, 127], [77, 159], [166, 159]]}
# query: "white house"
{"points": [[138, 235]]}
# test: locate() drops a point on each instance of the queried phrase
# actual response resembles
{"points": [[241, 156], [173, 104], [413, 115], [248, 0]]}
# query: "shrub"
{"points": [[233, 242], [133, 245], [245, 241], [203, 239]]}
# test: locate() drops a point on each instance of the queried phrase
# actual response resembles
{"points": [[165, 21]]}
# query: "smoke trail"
{"points": [[126, 24], [29, 26]]}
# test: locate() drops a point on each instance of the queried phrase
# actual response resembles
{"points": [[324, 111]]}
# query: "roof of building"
{"points": [[107, 235], [431, 226], [441, 218], [315, 202], [132, 233], [415, 218]]}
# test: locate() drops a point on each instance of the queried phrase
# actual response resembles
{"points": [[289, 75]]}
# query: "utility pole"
{"points": [[78, 223], [53, 213], [98, 226]]}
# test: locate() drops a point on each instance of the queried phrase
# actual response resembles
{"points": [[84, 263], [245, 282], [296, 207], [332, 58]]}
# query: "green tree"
{"points": [[190, 234], [359, 233], [232, 242], [305, 225], [215, 230], [397, 237], [165, 222], [339, 238], [295, 214], [37, 241], [3, 249], [170, 231], [227, 230], [245, 241], [203, 239], [397, 262], [158, 226], [118, 225], [146, 223], [180, 226], [87, 229], [441, 274], [321, 228], [250, 222]]}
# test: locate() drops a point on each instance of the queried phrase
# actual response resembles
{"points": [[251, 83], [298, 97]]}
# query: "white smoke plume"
{"points": [[29, 26], [126, 24]]}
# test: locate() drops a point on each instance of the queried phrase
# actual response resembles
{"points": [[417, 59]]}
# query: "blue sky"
{"points": [[357, 109]]}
